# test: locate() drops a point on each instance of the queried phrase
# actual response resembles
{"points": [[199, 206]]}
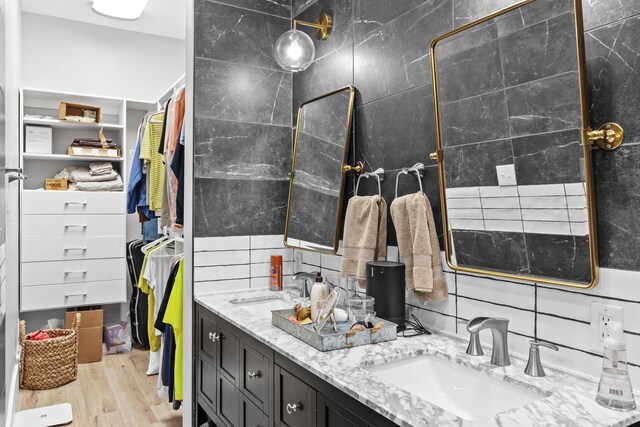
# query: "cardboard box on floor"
{"points": [[90, 336]]}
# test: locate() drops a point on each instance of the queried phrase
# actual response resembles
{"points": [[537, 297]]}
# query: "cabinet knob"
{"points": [[291, 408], [213, 336], [252, 375]]}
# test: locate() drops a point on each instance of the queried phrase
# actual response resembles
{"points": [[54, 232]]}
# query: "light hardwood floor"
{"points": [[113, 392]]}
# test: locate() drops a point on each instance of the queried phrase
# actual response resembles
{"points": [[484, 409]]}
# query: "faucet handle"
{"points": [[534, 365]]}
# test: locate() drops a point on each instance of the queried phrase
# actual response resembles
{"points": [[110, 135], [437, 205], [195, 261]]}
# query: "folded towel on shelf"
{"points": [[419, 247], [365, 235], [93, 143], [113, 185], [81, 174], [100, 168]]}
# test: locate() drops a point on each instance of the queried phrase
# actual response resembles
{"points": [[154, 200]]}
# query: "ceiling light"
{"points": [[294, 50], [128, 10]]}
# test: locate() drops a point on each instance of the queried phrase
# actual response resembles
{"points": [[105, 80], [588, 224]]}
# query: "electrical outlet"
{"points": [[601, 316]]}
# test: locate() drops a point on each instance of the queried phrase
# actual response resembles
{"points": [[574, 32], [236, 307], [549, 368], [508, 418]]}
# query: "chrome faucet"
{"points": [[307, 277], [499, 330], [534, 366]]}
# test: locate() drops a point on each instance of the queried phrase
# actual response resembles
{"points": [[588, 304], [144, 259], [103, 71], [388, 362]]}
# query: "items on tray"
{"points": [[97, 177]]}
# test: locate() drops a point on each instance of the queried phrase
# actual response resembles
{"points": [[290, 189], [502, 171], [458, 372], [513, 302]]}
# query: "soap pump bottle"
{"points": [[614, 390], [319, 295]]}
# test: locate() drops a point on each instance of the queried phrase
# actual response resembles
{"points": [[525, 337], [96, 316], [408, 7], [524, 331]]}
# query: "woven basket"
{"points": [[49, 363]]}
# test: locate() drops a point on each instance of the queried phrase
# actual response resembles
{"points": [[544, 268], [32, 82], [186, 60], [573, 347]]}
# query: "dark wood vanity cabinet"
{"points": [[240, 382]]}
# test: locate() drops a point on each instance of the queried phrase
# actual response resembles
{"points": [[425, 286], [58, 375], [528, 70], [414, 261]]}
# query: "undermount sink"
{"points": [[262, 307], [459, 390]]}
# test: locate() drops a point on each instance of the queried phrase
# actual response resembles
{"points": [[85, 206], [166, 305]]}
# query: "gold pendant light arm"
{"points": [[322, 25]]}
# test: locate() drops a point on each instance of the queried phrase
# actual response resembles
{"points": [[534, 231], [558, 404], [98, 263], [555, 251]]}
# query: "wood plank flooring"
{"points": [[114, 392]]}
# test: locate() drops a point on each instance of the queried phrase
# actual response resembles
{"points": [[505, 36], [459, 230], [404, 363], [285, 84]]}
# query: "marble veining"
{"points": [[570, 400]]}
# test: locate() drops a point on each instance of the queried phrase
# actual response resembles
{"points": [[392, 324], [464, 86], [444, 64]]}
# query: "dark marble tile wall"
{"points": [[242, 118]]}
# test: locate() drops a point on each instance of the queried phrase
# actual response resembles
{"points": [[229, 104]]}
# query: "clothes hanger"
{"points": [[153, 244], [418, 169], [378, 174]]}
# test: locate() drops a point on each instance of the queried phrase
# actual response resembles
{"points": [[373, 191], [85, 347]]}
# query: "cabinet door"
{"points": [[208, 336], [252, 416], [255, 376], [229, 402], [330, 414], [206, 383], [295, 401], [229, 354]]}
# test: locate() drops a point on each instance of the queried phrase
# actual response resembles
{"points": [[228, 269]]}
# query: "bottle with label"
{"points": [[319, 295], [614, 390], [276, 273]]}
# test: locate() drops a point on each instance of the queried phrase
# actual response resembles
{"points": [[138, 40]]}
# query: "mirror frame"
{"points": [[343, 172], [586, 144]]}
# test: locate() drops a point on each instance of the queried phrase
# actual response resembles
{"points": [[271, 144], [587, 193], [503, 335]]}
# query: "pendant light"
{"points": [[294, 50]]}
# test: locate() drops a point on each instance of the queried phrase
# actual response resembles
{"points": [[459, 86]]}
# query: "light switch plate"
{"points": [[506, 175], [601, 315]]}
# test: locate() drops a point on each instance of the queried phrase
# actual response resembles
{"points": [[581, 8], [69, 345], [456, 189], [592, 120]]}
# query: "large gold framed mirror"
{"points": [[514, 146], [318, 171]]}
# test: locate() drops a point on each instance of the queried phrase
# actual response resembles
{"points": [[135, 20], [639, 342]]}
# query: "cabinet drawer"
{"points": [[206, 383], [229, 355], [63, 226], [72, 202], [252, 416], [34, 250], [295, 401], [229, 400], [73, 295], [255, 378], [60, 272], [208, 331]]}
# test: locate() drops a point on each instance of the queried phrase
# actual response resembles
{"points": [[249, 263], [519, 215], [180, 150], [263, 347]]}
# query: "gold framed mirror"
{"points": [[318, 172], [514, 145]]}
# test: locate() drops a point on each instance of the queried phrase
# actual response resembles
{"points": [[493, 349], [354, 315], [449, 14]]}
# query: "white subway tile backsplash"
{"points": [[550, 202], [565, 332], [332, 262], [579, 228], [204, 288], [578, 215], [311, 258], [520, 321], [575, 189], [545, 215], [500, 203], [264, 255], [264, 269], [433, 320], [547, 227], [516, 295], [504, 191], [221, 243], [464, 203], [465, 213], [503, 225], [204, 274], [203, 259], [463, 192], [466, 224], [267, 242], [541, 190], [511, 214], [448, 306], [576, 202]]}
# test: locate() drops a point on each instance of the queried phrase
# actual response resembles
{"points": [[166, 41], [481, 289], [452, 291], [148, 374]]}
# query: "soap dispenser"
{"points": [[614, 390], [319, 295]]}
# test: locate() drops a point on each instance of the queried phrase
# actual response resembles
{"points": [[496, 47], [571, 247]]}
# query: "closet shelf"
{"points": [[67, 158], [70, 125]]}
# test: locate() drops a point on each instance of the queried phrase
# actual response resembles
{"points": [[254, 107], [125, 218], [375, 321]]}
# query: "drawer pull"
{"points": [[291, 408], [76, 272], [75, 249], [253, 375], [78, 294], [213, 336], [75, 226], [76, 203]]}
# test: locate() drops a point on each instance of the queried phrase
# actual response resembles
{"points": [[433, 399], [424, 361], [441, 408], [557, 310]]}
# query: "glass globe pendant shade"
{"points": [[294, 51]]}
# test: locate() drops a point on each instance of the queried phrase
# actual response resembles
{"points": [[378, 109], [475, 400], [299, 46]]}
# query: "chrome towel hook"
{"points": [[378, 174], [418, 169]]}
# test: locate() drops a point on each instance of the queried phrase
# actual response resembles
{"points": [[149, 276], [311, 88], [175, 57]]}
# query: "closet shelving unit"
{"points": [[72, 242]]}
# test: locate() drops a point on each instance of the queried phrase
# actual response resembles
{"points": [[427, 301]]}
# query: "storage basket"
{"points": [[49, 363]]}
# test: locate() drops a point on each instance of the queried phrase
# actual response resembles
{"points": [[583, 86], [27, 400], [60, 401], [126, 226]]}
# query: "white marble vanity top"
{"points": [[570, 400]]}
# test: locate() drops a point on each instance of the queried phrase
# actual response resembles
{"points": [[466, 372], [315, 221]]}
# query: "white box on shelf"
{"points": [[38, 139]]}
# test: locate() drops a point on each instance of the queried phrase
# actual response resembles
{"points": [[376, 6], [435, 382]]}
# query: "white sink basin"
{"points": [[460, 390], [263, 307]]}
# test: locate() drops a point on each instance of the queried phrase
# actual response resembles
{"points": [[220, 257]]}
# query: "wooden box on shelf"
{"points": [[56, 184], [78, 110], [94, 152]]}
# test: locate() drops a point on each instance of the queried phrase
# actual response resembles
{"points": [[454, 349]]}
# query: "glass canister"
{"points": [[614, 389]]}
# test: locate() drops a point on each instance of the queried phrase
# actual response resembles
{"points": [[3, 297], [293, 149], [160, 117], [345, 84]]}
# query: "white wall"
{"points": [[70, 56]]}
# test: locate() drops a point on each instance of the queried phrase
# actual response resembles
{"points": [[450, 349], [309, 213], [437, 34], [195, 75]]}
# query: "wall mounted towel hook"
{"points": [[418, 169], [378, 174]]}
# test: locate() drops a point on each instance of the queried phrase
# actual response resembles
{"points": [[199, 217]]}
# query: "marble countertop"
{"points": [[570, 400]]}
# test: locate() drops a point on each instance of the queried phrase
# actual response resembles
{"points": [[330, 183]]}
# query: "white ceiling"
{"points": [[161, 17]]}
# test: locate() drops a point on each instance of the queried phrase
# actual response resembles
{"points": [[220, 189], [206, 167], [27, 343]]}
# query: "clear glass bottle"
{"points": [[614, 390]]}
